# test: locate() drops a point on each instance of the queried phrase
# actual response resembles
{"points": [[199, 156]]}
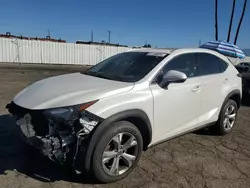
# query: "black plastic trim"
{"points": [[232, 93], [97, 133]]}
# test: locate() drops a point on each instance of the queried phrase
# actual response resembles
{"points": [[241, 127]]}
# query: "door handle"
{"points": [[196, 88]]}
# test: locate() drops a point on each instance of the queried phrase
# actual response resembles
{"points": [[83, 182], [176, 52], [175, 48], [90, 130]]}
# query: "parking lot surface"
{"points": [[195, 160]]}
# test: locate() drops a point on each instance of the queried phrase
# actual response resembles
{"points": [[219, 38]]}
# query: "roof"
{"points": [[170, 50], [160, 50], [177, 51]]}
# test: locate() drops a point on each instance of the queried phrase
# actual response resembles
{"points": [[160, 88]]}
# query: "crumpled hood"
{"points": [[68, 89]]}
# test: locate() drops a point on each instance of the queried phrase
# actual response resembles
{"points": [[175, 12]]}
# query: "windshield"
{"points": [[127, 66]]}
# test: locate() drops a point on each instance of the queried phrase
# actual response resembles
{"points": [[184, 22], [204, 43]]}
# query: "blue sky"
{"points": [[163, 23]]}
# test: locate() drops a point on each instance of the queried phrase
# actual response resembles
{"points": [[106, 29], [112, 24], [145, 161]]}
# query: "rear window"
{"points": [[210, 64]]}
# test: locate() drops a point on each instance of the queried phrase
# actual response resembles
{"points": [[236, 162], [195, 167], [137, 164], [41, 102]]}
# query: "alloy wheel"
{"points": [[120, 154], [230, 116]]}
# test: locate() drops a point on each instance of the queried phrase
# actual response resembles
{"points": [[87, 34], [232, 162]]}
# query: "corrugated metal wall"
{"points": [[32, 51]]}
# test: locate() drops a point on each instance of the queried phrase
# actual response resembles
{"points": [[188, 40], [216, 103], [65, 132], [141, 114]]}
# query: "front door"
{"points": [[176, 109]]}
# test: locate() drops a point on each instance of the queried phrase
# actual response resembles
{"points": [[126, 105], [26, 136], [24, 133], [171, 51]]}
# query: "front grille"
{"points": [[38, 120]]}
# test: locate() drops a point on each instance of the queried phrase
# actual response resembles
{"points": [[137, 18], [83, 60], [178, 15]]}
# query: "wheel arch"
{"points": [[135, 116], [234, 95]]}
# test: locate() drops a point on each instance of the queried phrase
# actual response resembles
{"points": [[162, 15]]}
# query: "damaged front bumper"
{"points": [[57, 138], [54, 147]]}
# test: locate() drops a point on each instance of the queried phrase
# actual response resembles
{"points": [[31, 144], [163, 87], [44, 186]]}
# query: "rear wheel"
{"points": [[227, 118], [117, 152]]}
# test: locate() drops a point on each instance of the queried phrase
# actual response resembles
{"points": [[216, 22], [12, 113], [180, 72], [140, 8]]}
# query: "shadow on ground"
{"points": [[15, 155]]}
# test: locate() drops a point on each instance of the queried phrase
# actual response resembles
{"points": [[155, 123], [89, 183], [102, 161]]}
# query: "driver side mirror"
{"points": [[171, 76]]}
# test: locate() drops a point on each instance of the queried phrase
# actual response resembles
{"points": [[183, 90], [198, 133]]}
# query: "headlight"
{"points": [[68, 113], [60, 113]]}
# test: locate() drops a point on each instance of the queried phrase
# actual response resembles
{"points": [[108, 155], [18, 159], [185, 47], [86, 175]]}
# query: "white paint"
{"points": [[68, 89], [32, 51], [180, 108]]}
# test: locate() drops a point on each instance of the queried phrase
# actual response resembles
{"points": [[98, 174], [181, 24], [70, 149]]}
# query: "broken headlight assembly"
{"points": [[67, 114], [71, 125], [72, 121]]}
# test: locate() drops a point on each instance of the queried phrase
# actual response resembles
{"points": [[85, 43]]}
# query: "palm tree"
{"points": [[241, 18], [216, 19], [231, 20]]}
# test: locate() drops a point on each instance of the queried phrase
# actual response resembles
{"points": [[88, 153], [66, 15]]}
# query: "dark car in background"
{"points": [[244, 70], [243, 67], [246, 83]]}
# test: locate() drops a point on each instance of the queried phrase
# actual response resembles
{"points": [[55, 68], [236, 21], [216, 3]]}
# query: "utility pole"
{"points": [[109, 35], [48, 34], [92, 36]]}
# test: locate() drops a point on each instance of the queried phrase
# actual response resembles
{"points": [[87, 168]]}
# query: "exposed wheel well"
{"points": [[143, 128]]}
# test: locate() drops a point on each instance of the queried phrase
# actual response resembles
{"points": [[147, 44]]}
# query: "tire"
{"points": [[108, 142], [221, 127]]}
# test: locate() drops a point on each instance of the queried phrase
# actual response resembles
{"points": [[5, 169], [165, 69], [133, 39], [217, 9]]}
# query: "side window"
{"points": [[185, 63], [210, 64]]}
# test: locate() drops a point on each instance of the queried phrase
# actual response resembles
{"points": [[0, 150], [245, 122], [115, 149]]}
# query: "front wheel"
{"points": [[117, 152]]}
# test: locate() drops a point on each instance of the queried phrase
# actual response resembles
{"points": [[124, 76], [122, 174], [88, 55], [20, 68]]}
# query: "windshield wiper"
{"points": [[109, 76], [98, 74]]}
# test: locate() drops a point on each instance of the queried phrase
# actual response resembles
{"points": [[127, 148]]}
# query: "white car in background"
{"points": [[101, 120]]}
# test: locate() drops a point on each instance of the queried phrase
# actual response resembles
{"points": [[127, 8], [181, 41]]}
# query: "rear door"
{"points": [[214, 82]]}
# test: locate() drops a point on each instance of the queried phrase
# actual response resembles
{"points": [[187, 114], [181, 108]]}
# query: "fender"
{"points": [[97, 133]]}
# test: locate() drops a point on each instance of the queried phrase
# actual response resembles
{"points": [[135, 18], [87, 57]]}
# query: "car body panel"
{"points": [[176, 108], [140, 97], [68, 89]]}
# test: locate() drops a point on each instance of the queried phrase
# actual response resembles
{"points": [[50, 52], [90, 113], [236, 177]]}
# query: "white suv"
{"points": [[102, 119]]}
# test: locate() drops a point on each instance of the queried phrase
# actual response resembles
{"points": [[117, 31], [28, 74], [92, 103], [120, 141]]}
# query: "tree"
{"points": [[231, 20], [216, 19], [239, 25]]}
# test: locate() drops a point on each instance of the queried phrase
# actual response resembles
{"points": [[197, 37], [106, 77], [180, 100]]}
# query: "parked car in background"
{"points": [[246, 83], [244, 64], [243, 67], [101, 120]]}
